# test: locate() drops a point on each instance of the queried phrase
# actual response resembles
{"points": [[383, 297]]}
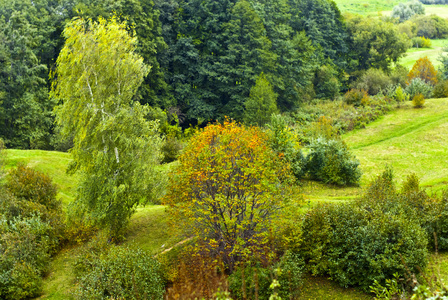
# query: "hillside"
{"points": [[410, 140]]}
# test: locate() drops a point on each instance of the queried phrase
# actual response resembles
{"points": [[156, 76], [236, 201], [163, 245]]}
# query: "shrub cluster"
{"points": [[367, 240], [330, 161], [421, 42], [118, 272], [31, 229], [441, 89], [418, 86]]}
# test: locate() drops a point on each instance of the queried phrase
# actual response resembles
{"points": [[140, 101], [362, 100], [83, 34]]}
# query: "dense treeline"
{"points": [[205, 56]]}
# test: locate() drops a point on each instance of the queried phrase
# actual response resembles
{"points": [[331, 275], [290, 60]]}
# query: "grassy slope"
{"points": [[408, 139], [433, 53]]}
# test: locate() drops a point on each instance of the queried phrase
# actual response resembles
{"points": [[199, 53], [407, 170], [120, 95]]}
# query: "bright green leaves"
{"points": [[115, 147], [261, 104]]}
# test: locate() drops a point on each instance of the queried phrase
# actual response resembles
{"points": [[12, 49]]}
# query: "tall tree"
{"points": [[375, 43], [261, 104], [247, 54], [115, 148], [143, 19]]}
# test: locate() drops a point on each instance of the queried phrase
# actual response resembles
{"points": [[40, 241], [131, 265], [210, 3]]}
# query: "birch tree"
{"points": [[115, 148]]}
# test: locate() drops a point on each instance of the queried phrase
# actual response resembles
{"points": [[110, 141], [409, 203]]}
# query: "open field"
{"points": [[365, 7]]}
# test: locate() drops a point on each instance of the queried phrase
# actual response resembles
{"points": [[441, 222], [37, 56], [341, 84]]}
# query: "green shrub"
{"points": [[421, 42], [24, 247], [441, 89], [326, 84], [330, 161], [285, 142], [356, 246], [354, 96], [418, 86], [399, 75], [288, 272], [418, 101], [32, 192], [121, 273], [171, 149], [372, 81]]}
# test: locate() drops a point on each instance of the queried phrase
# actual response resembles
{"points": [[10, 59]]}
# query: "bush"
{"points": [[354, 96], [441, 89], [285, 142], [355, 245], [24, 247], [418, 86], [421, 42], [399, 75], [288, 272], [418, 101], [423, 69], [326, 84], [229, 176], [372, 81], [171, 149], [122, 273], [330, 161]]}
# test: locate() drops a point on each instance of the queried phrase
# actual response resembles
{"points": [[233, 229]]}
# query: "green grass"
{"points": [[410, 140], [365, 7], [52, 163], [433, 53]]}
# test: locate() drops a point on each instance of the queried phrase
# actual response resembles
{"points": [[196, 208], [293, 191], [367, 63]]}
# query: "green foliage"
{"points": [[400, 95], [368, 50], [404, 11], [355, 96], [441, 89], [171, 149], [285, 142], [330, 161], [421, 42], [326, 83], [362, 242], [373, 81], [419, 86], [261, 104], [121, 273], [115, 147], [431, 26], [256, 280], [418, 100], [25, 246]]}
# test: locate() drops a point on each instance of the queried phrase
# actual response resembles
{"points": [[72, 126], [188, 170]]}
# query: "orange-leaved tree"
{"points": [[227, 189], [424, 69]]}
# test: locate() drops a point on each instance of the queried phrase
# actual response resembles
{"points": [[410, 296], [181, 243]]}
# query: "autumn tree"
{"points": [[226, 190], [423, 69], [115, 147]]}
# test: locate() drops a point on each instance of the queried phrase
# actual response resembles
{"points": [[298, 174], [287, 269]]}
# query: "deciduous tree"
{"points": [[227, 189], [115, 148]]}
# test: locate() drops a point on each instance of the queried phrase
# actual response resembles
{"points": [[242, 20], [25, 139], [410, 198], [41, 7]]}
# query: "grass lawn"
{"points": [[52, 163], [433, 53], [365, 7]]}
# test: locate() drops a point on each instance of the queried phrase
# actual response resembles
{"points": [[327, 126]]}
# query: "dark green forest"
{"points": [[205, 56]]}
